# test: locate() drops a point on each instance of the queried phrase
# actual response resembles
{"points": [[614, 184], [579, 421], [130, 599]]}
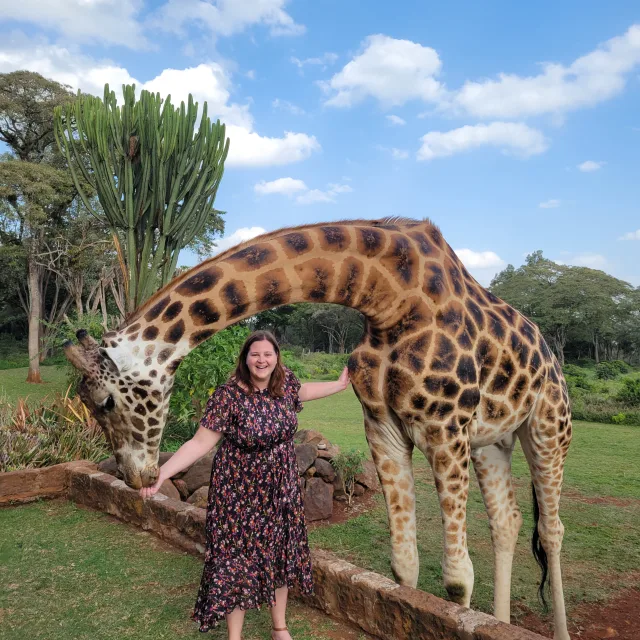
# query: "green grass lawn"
{"points": [[72, 574], [600, 510], [13, 385]]}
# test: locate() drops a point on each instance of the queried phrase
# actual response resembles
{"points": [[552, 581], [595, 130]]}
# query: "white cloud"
{"points": [[240, 235], [324, 60], [285, 105], [590, 165], [399, 154], [390, 70], [226, 17], [207, 82], [286, 186], [589, 80], [290, 187], [110, 21], [510, 137], [483, 265], [550, 204], [251, 74], [632, 235], [591, 260], [479, 259], [397, 120]]}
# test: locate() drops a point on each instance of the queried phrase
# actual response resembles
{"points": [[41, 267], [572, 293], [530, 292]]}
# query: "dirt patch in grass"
{"points": [[342, 512], [618, 617]]}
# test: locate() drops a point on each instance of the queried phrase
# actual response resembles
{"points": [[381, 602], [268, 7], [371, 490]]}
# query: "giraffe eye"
{"points": [[109, 404]]}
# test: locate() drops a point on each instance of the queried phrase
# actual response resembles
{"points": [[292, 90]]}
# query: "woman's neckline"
{"points": [[246, 391]]}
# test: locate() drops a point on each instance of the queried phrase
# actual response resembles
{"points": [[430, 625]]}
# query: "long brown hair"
{"points": [[242, 373]]}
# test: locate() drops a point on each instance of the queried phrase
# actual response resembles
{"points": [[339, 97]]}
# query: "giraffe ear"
{"points": [[120, 358]]}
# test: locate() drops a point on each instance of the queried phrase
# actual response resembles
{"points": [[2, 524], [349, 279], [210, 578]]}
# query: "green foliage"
{"points": [[607, 371], [348, 465], [47, 433], [155, 176], [630, 392], [200, 373]]}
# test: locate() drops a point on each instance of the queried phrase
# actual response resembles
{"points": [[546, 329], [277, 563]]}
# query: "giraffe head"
{"points": [[128, 398]]}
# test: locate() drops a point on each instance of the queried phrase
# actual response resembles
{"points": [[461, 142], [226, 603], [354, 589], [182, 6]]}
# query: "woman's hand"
{"points": [[343, 380], [147, 492]]}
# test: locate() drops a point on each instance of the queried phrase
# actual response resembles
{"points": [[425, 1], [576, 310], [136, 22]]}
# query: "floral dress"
{"points": [[256, 537]]}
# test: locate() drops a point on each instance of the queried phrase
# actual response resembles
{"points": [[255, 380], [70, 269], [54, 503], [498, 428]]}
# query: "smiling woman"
{"points": [[256, 537]]}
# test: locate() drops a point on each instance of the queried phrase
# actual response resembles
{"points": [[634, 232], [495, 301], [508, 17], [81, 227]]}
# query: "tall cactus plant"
{"points": [[156, 181]]}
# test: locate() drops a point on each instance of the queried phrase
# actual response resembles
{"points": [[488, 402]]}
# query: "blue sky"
{"points": [[513, 126]]}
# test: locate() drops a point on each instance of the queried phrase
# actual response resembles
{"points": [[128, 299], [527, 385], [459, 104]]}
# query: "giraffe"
{"points": [[444, 365]]}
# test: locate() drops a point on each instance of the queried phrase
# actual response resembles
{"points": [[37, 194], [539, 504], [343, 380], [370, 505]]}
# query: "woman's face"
{"points": [[261, 360]]}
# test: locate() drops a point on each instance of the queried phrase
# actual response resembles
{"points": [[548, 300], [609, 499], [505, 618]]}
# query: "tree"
{"points": [[155, 179], [35, 189]]}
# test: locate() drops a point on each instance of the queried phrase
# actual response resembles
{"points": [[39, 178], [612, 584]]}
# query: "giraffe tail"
{"points": [[538, 551]]}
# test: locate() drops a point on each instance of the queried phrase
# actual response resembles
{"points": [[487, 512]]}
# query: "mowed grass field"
{"points": [[600, 509]]}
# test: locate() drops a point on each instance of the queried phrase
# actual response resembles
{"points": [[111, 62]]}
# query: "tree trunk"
{"points": [[596, 350], [35, 313]]}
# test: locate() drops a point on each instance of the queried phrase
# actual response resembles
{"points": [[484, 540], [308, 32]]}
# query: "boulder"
{"points": [[199, 497], [310, 436], [369, 476], [199, 473], [318, 500], [305, 456], [358, 490], [167, 489], [330, 452], [109, 466], [311, 471], [325, 470], [338, 491], [182, 488]]}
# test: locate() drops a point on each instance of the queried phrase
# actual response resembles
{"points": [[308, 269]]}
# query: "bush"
{"points": [[200, 373], [52, 432], [630, 392], [607, 371], [348, 466]]}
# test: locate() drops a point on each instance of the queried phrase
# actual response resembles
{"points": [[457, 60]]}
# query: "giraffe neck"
{"points": [[374, 267]]}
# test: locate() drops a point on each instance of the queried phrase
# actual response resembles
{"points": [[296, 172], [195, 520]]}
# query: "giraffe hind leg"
{"points": [[545, 443], [492, 465]]}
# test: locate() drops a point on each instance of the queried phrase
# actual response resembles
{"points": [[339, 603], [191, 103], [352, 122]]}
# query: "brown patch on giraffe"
{"points": [[364, 371], [397, 386], [150, 333], [370, 242], [494, 411], [165, 354], [455, 276], [203, 312], [272, 289], [172, 311], [133, 328], [156, 309], [175, 333], [476, 313], [316, 276], [401, 261], [423, 243], [349, 280], [296, 244], [417, 317], [391, 467], [133, 337], [435, 284], [411, 353], [200, 282], [377, 294], [442, 386], [486, 356], [253, 257], [444, 355], [503, 376], [235, 298], [334, 238]]}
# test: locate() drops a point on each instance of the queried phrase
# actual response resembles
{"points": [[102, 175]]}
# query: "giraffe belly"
{"points": [[491, 430]]}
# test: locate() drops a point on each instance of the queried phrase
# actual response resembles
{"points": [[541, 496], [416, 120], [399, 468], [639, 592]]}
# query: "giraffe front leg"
{"points": [[391, 453], [450, 464], [492, 465]]}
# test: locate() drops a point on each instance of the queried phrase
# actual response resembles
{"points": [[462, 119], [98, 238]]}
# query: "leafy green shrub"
{"points": [[607, 371], [52, 432], [619, 418], [348, 466], [630, 392], [197, 378]]}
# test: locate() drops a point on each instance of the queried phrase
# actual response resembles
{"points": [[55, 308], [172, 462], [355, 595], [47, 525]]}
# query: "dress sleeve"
{"points": [[218, 414], [293, 387]]}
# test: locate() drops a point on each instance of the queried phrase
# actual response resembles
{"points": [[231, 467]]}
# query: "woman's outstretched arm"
{"points": [[315, 390]]}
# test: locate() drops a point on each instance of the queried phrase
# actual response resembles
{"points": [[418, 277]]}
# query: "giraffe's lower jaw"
{"points": [[146, 478]]}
